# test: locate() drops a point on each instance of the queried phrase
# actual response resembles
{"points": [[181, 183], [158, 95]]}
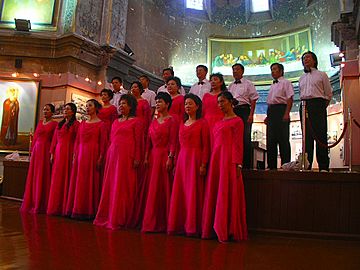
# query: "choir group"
{"points": [[164, 162]]}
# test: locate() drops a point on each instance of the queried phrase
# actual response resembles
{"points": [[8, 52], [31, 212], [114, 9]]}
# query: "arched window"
{"points": [[259, 5], [195, 4]]}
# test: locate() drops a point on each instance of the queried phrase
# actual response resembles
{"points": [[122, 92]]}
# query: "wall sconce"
{"points": [[22, 25], [128, 50]]}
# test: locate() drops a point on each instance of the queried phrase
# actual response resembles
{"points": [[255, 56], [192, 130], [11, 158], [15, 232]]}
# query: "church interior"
{"points": [[61, 51]]}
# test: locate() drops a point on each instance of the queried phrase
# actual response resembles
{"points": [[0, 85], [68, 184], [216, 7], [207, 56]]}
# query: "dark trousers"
{"points": [[243, 111], [316, 108], [277, 133]]}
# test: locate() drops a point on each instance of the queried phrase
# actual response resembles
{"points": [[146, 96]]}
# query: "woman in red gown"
{"points": [[108, 113], [62, 152], [143, 110], [85, 183], [120, 178], [224, 206], [188, 188], [177, 105], [159, 157], [37, 187], [211, 110]]}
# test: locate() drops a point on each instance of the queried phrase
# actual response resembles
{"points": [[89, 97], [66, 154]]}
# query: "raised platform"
{"points": [[304, 203]]}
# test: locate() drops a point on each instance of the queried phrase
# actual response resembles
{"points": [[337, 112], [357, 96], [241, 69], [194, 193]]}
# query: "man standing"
{"points": [[203, 85], [279, 100], [148, 94], [315, 90], [118, 91], [244, 91], [167, 74]]}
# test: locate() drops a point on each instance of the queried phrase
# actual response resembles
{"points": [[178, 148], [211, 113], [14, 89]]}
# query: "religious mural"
{"points": [[257, 54], [37, 11], [18, 113]]}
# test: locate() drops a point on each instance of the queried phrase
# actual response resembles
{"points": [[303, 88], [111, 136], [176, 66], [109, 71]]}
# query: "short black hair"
{"points": [[141, 87], [145, 76], [313, 55], [280, 66], [117, 78], [169, 69], [238, 65], [131, 101], [197, 101], [229, 97], [202, 66], [108, 92], [96, 104], [165, 97], [51, 106], [221, 77], [176, 79]]}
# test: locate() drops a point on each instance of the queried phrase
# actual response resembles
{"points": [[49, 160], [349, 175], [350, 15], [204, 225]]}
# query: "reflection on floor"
{"points": [[40, 242]]}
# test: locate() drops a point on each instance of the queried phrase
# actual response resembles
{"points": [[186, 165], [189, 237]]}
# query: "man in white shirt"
{"points": [[316, 90], [119, 90], [148, 94], [279, 100], [203, 85], [167, 74], [244, 91]]}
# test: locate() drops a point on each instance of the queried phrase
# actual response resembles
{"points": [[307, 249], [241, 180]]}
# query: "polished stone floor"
{"points": [[40, 242]]}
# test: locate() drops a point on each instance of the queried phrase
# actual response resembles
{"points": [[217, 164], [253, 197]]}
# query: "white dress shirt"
{"points": [[244, 92], [116, 98], [200, 89], [280, 92], [163, 88], [315, 84], [149, 95]]}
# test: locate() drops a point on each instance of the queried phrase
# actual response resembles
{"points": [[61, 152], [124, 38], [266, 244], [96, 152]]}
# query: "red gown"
{"points": [[177, 108], [143, 112], [37, 187], [211, 112], [120, 178], [188, 188], [108, 115], [162, 140], [85, 184], [62, 148], [224, 205]]}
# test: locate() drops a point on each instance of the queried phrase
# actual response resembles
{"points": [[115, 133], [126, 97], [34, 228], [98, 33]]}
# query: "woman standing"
{"points": [[187, 194], [62, 152], [224, 205], [143, 110], [36, 194], [177, 104], [120, 177], [85, 184], [159, 157], [211, 110], [108, 113]]}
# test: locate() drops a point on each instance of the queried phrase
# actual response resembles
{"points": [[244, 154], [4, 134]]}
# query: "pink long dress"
{"points": [[211, 112], [177, 108], [85, 183], [188, 189], [37, 187], [143, 112], [108, 115], [224, 205], [120, 178], [162, 139], [62, 148]]}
